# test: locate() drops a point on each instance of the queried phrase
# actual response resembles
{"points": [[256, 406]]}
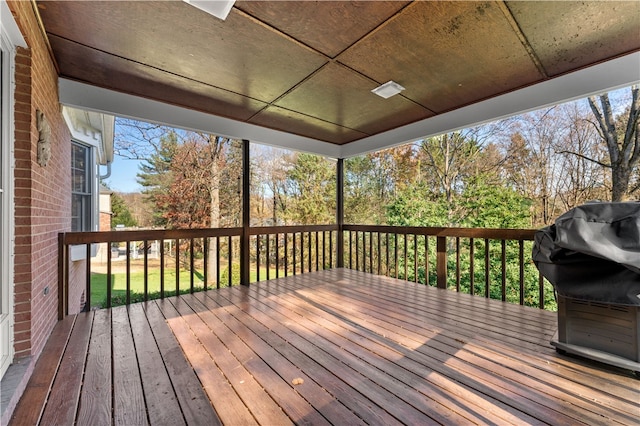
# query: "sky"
{"points": [[123, 175]]}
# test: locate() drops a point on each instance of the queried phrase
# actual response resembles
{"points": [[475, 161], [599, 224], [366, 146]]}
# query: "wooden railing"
{"points": [[132, 266], [494, 263], [291, 250]]}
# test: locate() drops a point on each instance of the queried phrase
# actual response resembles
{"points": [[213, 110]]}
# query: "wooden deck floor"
{"points": [[362, 349]]}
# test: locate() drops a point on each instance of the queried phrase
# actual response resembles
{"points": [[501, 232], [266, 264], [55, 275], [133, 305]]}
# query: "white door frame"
{"points": [[10, 38]]}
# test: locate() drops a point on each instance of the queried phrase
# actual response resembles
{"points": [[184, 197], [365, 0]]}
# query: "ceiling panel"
{"points": [[570, 34], [338, 95], [327, 26], [446, 54], [111, 72], [183, 40]]}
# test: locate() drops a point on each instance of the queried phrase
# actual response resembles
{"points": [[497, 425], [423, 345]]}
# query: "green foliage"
{"points": [[121, 213], [481, 204], [416, 205], [312, 181], [486, 204], [155, 173], [235, 275]]}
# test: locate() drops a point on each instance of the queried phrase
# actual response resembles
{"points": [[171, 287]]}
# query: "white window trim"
{"points": [[88, 129], [10, 39], [80, 252]]}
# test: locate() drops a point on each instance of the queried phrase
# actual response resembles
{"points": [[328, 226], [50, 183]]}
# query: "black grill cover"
{"points": [[592, 252]]}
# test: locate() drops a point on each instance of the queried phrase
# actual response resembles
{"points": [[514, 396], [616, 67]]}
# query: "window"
{"points": [[81, 188]]}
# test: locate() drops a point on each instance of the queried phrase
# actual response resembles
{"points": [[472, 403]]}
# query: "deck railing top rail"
{"points": [[491, 233], [71, 238]]}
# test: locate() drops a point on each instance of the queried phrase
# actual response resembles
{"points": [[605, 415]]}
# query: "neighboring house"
{"points": [[105, 216], [105, 209], [48, 184]]}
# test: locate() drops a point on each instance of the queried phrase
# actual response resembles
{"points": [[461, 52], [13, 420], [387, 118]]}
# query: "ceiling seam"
{"points": [[337, 62], [280, 32], [523, 38], [296, 41], [375, 29], [291, 89]]}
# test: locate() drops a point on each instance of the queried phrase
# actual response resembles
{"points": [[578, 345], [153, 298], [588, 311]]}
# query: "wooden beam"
{"points": [[441, 262], [246, 213], [340, 210]]}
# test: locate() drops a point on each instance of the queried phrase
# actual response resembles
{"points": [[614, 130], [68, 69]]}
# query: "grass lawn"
{"points": [[136, 284]]}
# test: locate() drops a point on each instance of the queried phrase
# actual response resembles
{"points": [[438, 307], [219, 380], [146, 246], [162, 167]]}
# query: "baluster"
{"points": [[472, 289], [487, 275]]}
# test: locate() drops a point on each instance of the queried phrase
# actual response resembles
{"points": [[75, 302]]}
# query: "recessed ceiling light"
{"points": [[218, 8], [388, 89]]}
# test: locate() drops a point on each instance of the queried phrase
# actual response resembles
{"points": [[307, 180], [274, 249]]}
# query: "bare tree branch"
{"points": [[577, 154]]}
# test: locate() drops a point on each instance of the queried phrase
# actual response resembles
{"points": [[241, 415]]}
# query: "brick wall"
{"points": [[42, 193]]}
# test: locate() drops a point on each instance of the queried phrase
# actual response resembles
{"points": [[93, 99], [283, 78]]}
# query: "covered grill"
{"points": [[591, 255]]}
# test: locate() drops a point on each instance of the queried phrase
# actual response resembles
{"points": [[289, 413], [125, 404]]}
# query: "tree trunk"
{"points": [[621, 139], [620, 177]]}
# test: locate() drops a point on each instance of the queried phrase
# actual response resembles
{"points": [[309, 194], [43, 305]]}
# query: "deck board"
{"points": [[31, 405], [63, 401], [304, 361], [162, 406], [369, 350], [128, 394], [194, 403], [95, 398]]}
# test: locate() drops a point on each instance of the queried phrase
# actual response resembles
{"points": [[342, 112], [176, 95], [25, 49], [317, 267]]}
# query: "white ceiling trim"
{"points": [[620, 72]]}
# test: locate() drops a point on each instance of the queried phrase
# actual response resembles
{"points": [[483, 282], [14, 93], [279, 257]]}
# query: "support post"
{"points": [[340, 211], [246, 214], [62, 274], [441, 261]]}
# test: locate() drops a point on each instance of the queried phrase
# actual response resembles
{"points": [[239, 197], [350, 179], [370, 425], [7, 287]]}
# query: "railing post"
{"points": [[245, 262], [441, 262], [62, 267], [340, 211]]}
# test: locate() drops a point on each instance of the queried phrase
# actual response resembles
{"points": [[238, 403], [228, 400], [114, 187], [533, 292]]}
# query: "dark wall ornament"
{"points": [[44, 138]]}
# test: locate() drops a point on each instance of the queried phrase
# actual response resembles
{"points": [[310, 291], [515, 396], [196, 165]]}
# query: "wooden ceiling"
{"points": [[308, 67]]}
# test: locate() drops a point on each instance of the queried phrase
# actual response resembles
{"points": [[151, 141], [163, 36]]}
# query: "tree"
{"points": [[121, 215], [417, 205], [531, 164], [373, 180], [621, 136], [488, 203], [581, 180], [269, 190], [312, 183], [182, 176], [449, 160], [155, 173]]}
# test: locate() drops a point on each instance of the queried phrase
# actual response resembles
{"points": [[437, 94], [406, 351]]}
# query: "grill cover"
{"points": [[592, 252]]}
